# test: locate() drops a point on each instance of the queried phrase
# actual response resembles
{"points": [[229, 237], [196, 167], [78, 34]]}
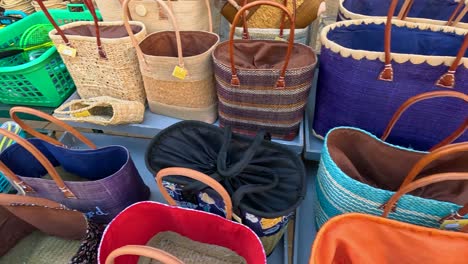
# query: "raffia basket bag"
{"points": [[111, 68], [177, 70]]}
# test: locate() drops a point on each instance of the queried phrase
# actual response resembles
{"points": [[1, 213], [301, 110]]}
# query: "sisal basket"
{"points": [[103, 110], [270, 17], [191, 98]]}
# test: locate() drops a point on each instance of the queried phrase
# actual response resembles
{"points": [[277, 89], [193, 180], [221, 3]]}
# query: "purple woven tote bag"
{"points": [[361, 84], [263, 84], [441, 12], [98, 182]]}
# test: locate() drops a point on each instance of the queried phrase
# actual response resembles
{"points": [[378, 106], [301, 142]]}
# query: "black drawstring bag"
{"points": [[265, 180]]}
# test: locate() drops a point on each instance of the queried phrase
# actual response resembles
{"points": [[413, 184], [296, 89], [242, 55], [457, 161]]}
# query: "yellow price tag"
{"points": [[179, 72], [67, 51], [454, 225], [279, 39], [269, 223], [82, 114]]}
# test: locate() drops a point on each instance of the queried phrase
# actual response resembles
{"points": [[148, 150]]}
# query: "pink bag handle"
{"points": [[42, 159], [139, 52], [447, 80], [145, 251], [422, 97], [280, 84], [92, 10]]}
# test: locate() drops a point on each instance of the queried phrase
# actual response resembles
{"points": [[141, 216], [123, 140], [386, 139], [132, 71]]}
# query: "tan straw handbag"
{"points": [[103, 110], [177, 70], [100, 56]]}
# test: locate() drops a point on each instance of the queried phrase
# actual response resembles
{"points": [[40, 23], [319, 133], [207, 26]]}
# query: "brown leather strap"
{"points": [[452, 176], [280, 83], [455, 12], [26, 110], [447, 80], [405, 8], [92, 10], [52, 21], [429, 158], [422, 97], [196, 175], [134, 40], [41, 158], [8, 199], [145, 251]]}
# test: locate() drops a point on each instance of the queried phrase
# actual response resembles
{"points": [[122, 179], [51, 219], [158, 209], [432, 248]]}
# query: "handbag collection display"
{"points": [[187, 137]]}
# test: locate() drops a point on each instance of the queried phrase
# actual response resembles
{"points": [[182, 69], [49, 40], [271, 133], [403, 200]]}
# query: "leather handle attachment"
{"points": [[422, 97], [193, 174], [447, 80], [452, 176], [144, 251], [42, 159], [126, 15], [280, 84], [26, 110]]}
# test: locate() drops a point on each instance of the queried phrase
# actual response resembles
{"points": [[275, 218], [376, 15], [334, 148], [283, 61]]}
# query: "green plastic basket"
{"points": [[44, 81]]}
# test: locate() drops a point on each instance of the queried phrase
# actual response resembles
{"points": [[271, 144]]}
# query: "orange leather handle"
{"points": [[452, 176], [9, 199], [429, 158], [281, 82], [447, 80], [41, 158], [196, 175], [408, 4], [26, 110], [144, 251], [422, 97], [52, 21]]}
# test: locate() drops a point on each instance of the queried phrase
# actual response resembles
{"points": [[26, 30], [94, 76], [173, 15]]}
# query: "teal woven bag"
{"points": [[359, 172]]}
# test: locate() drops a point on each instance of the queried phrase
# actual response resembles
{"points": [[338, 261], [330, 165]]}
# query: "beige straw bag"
{"points": [[189, 14], [100, 57], [103, 110], [178, 84]]}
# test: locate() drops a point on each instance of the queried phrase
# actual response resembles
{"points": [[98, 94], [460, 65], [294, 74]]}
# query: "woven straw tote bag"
{"points": [[100, 57], [177, 70], [40, 231], [263, 84], [439, 12], [102, 110], [383, 62], [276, 31], [359, 173]]}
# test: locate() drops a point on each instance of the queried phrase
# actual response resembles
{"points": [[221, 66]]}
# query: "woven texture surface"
{"points": [[191, 252], [103, 110], [337, 194], [270, 17], [117, 76], [355, 97]]}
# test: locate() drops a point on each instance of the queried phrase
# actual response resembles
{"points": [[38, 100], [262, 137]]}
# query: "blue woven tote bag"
{"points": [[359, 173], [368, 68], [434, 11]]}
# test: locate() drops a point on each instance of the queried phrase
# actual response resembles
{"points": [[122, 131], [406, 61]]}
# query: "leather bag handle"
{"points": [[280, 84], [447, 80], [26, 110], [42, 159], [145, 251], [139, 52], [196, 175], [422, 97], [452, 21], [451, 176], [434, 155], [92, 10]]}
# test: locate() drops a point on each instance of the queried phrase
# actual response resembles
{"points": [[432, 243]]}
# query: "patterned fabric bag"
{"points": [[263, 84], [359, 173], [99, 182], [432, 12], [369, 67], [36, 230], [264, 179]]}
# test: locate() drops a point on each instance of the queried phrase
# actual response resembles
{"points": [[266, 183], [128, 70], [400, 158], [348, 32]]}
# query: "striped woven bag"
{"points": [[263, 84], [359, 173]]}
